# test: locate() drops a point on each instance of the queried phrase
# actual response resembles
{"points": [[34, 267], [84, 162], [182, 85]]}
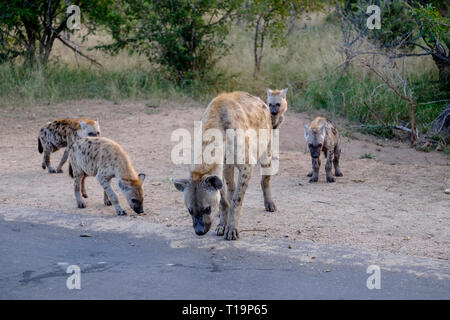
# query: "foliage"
{"points": [[29, 28], [184, 37]]}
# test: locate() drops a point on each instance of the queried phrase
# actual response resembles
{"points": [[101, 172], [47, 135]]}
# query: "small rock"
{"points": [[289, 247], [313, 257], [131, 244], [85, 235], [447, 191]]}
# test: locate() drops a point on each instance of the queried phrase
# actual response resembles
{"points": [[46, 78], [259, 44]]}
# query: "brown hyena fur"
{"points": [[62, 133], [105, 159], [322, 135], [204, 191]]}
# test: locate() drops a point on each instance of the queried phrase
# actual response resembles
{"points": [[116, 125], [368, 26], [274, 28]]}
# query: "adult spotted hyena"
{"points": [[322, 135], [105, 159], [62, 133], [204, 191]]}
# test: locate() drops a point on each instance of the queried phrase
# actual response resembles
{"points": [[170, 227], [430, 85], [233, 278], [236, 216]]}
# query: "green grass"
{"points": [[368, 155], [22, 86]]}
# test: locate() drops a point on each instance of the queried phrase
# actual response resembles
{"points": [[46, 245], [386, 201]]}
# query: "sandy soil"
{"points": [[395, 202]]}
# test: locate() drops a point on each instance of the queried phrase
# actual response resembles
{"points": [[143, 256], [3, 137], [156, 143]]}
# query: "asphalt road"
{"points": [[35, 251]]}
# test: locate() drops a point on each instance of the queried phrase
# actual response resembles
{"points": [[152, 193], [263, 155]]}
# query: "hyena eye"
{"points": [[134, 201], [206, 210], [270, 105], [91, 134], [277, 105], [190, 211], [319, 145], [310, 145]]}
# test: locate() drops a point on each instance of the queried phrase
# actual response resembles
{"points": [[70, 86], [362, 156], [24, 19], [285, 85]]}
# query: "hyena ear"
{"points": [[97, 123], [214, 181], [306, 131], [141, 177], [180, 184], [83, 125], [284, 92], [269, 92], [322, 127]]}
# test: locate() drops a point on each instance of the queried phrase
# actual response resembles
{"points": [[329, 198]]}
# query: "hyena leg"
{"points": [[46, 161], [225, 198], [231, 230], [106, 199], [315, 170], [337, 155], [266, 170], [105, 183], [63, 160], [328, 166], [83, 187], [77, 188], [268, 202]]}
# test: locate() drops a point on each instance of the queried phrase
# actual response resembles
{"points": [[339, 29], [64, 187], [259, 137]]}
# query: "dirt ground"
{"points": [[395, 202]]}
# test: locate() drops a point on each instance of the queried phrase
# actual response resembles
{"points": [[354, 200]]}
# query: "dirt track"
{"points": [[394, 203]]}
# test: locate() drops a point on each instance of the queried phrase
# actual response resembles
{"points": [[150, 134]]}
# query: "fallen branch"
{"points": [[78, 52]]}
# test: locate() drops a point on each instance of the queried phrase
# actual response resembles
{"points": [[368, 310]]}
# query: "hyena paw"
{"points": [[107, 202], [270, 206], [231, 233], [121, 212], [309, 174], [338, 174], [314, 179], [84, 195], [59, 170], [331, 179], [44, 166], [220, 230], [50, 170], [81, 205]]}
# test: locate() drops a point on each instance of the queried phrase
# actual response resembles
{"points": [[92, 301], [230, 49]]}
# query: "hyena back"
{"points": [[105, 159], [204, 191], [322, 135], [62, 133]]}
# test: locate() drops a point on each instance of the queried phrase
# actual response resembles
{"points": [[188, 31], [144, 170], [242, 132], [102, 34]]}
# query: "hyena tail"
{"points": [[40, 146], [70, 170]]}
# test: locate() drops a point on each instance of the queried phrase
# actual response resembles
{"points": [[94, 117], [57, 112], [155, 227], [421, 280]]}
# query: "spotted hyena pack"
{"points": [[322, 136], [62, 133], [212, 186], [105, 159]]}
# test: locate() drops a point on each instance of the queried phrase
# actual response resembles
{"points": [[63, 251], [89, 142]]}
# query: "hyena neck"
{"points": [[276, 121], [201, 170], [126, 173]]}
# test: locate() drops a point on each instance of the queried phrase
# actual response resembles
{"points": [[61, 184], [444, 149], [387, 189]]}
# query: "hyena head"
{"points": [[89, 129], [132, 189], [201, 198], [315, 138], [276, 100]]}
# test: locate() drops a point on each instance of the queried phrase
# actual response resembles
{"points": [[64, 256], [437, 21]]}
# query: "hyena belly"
{"points": [[105, 159], [322, 136]]}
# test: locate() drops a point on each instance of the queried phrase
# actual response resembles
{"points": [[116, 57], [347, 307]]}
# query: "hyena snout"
{"points": [[201, 225], [274, 109], [315, 152], [137, 206]]}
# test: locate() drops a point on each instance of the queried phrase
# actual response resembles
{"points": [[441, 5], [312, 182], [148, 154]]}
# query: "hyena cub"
{"points": [[276, 100], [322, 135], [105, 159], [62, 133]]}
